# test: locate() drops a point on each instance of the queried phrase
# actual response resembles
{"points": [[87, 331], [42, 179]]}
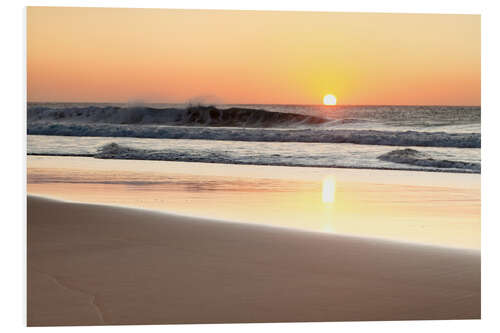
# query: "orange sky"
{"points": [[160, 55]]}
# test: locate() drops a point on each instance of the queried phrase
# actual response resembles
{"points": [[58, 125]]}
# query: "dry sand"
{"points": [[93, 265]]}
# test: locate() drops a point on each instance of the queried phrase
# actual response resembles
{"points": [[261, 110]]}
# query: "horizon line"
{"points": [[217, 104]]}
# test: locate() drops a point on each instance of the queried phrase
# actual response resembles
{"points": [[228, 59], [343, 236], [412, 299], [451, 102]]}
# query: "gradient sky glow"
{"points": [[161, 55]]}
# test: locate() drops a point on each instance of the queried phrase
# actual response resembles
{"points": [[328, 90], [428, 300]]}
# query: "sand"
{"points": [[100, 265], [442, 209]]}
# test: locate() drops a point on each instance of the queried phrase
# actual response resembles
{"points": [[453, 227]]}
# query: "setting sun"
{"points": [[329, 100]]}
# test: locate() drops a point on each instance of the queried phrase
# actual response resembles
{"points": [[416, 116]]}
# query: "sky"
{"points": [[252, 57]]}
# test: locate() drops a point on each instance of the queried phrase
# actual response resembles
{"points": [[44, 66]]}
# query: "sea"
{"points": [[420, 138]]}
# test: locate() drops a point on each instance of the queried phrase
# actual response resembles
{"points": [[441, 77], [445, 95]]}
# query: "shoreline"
{"points": [[263, 164], [98, 264], [419, 207]]}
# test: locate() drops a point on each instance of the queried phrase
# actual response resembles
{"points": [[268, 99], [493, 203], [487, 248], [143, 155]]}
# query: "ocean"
{"points": [[425, 138]]}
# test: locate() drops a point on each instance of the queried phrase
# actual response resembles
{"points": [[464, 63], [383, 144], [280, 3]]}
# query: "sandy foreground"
{"points": [[94, 264]]}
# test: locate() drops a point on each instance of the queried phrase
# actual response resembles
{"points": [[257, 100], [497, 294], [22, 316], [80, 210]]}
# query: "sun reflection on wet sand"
{"points": [[329, 189], [328, 199], [386, 205]]}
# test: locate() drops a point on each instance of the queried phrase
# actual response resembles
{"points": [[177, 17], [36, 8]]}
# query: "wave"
{"points": [[116, 151], [367, 137], [190, 116], [424, 163], [417, 158]]}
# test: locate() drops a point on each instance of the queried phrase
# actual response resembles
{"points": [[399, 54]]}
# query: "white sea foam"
{"points": [[250, 124], [240, 152], [418, 158], [367, 137], [296, 135], [424, 160]]}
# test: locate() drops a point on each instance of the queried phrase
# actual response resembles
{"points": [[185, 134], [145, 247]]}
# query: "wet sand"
{"points": [[96, 264]]}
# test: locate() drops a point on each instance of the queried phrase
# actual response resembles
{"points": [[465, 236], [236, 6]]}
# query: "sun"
{"points": [[330, 100]]}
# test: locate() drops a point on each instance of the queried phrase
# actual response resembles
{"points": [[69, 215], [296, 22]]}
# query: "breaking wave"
{"points": [[190, 116], [417, 158]]}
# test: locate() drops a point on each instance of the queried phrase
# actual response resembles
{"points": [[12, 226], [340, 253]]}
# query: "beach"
{"points": [[442, 209], [156, 242], [231, 166], [97, 264]]}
